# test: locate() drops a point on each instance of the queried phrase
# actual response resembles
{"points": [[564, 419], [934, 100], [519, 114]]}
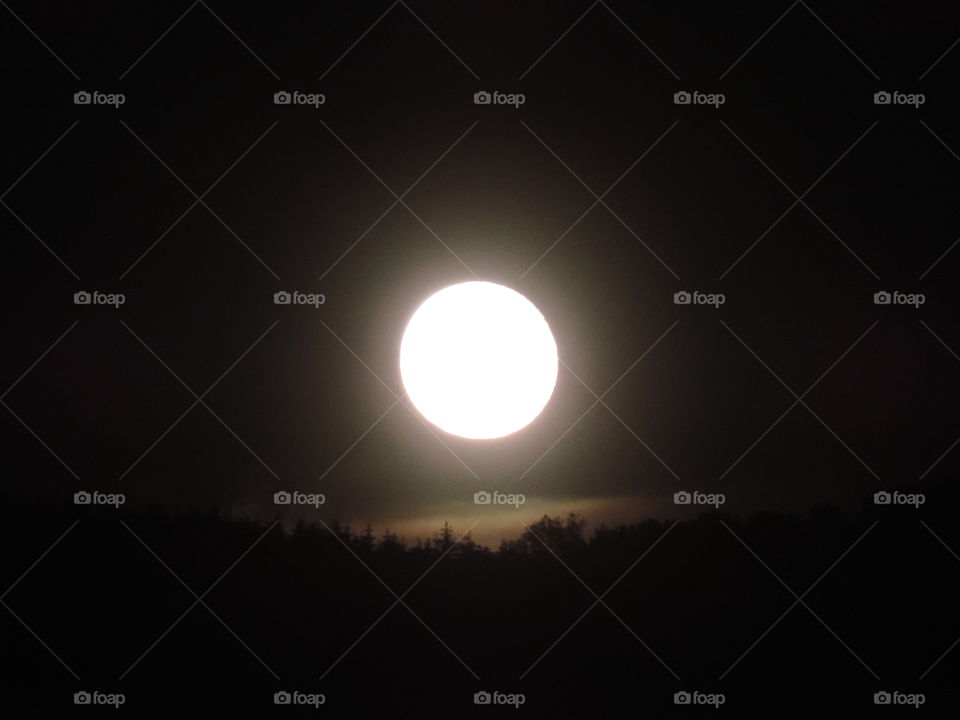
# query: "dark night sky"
{"points": [[296, 196]]}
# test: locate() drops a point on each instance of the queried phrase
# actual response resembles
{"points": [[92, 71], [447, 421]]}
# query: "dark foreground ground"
{"points": [[309, 610]]}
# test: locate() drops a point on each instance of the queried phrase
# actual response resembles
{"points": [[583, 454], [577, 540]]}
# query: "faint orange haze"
{"points": [[487, 524]]}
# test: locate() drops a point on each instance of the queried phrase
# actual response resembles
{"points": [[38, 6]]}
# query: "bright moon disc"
{"points": [[478, 360]]}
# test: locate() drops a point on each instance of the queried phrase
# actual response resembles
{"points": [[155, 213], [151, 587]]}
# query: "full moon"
{"points": [[478, 360]]}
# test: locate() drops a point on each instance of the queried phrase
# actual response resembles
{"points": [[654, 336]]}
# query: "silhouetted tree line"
{"points": [[686, 598]]}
